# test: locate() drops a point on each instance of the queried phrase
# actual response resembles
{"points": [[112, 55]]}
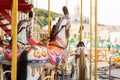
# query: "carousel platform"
{"points": [[104, 74]]}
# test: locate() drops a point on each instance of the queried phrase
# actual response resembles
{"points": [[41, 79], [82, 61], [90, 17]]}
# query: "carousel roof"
{"points": [[22, 5]]}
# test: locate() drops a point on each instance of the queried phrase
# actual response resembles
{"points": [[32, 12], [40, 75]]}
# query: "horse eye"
{"points": [[63, 25]]}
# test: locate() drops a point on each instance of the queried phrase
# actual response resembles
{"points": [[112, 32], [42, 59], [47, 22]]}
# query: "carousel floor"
{"points": [[103, 72]]}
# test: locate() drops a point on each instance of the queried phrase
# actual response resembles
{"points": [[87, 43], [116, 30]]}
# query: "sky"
{"points": [[108, 10]]}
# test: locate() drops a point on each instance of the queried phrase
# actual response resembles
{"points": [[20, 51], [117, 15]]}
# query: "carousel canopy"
{"points": [[22, 5]]}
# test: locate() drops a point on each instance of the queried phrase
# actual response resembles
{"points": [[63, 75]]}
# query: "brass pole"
{"points": [[90, 39], [80, 20], [36, 20], [96, 40], [49, 27], [14, 39]]}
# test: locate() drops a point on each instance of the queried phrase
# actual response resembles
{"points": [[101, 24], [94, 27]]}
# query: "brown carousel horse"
{"points": [[37, 56]]}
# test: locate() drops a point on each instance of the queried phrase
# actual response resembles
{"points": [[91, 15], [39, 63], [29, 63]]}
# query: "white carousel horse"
{"points": [[82, 62], [50, 56], [5, 48]]}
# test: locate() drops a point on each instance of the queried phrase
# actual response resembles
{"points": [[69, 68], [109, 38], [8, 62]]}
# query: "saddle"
{"points": [[8, 52]]}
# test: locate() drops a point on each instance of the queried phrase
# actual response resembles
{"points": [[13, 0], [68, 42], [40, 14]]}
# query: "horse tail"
{"points": [[82, 66], [22, 66]]}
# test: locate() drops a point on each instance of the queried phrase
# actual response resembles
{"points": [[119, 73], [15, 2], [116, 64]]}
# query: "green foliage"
{"points": [[37, 28], [43, 15]]}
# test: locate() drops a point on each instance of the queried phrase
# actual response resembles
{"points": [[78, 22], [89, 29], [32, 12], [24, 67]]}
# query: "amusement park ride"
{"points": [[37, 55], [33, 58]]}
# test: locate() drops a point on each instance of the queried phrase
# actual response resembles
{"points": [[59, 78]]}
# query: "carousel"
{"points": [[23, 58]]}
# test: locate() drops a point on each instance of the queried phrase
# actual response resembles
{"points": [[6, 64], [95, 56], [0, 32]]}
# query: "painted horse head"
{"points": [[22, 26], [60, 31], [22, 31]]}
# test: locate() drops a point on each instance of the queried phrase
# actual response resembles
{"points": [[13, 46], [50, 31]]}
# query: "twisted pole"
{"points": [[96, 40], [14, 38], [90, 39], [49, 27]]}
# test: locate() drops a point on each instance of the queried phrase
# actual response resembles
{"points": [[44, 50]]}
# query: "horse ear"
{"points": [[31, 14], [65, 10]]}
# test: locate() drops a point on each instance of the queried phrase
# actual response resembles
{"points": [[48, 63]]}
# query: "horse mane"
{"points": [[52, 37], [54, 30], [20, 23]]}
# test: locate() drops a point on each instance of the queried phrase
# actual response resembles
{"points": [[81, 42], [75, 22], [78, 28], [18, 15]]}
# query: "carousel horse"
{"points": [[37, 56], [6, 49], [82, 62], [7, 46]]}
